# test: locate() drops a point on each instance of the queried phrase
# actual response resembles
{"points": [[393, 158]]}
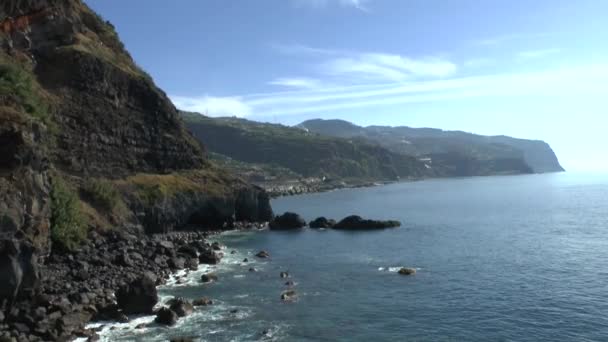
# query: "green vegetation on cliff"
{"points": [[68, 228], [308, 155], [19, 90]]}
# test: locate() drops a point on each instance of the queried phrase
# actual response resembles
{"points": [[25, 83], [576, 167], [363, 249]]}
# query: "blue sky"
{"points": [[531, 69]]}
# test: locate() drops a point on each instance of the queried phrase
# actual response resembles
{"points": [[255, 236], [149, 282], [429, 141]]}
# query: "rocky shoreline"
{"points": [[276, 190], [114, 275]]}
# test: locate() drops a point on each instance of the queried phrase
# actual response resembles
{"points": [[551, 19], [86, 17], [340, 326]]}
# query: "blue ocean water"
{"points": [[514, 258]]}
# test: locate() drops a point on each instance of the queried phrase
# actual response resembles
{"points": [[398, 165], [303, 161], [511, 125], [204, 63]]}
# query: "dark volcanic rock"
{"points": [[209, 277], [287, 221], [138, 297], [322, 222], [18, 269], [284, 275], [166, 316], [202, 302], [263, 254], [209, 257], [407, 271], [181, 307], [182, 339], [355, 222], [289, 295]]}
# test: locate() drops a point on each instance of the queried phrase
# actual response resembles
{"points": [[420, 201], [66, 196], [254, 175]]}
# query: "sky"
{"points": [[528, 69]]}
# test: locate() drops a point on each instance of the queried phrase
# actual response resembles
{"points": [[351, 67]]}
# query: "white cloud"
{"points": [[478, 62], [354, 67], [391, 67], [558, 83], [533, 54], [213, 106], [505, 38], [296, 82]]}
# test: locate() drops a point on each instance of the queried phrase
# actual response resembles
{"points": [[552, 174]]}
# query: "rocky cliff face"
{"points": [[75, 108]]}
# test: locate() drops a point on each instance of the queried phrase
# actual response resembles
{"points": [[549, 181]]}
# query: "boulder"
{"points": [[251, 269], [182, 339], [19, 273], [202, 302], [287, 221], [322, 222], [138, 297], [177, 263], [209, 257], [181, 307], [355, 222], [284, 275], [290, 283], [192, 264], [407, 271], [166, 316], [188, 251], [209, 277], [216, 246], [289, 295], [263, 254]]}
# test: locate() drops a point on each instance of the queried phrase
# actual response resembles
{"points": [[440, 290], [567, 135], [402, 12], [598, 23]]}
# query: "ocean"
{"points": [[511, 258]]}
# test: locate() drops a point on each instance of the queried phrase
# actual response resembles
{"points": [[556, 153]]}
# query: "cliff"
{"points": [[484, 154], [88, 142], [308, 155]]}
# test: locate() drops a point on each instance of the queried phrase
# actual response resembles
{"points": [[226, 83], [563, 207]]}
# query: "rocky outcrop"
{"points": [[407, 271], [85, 284], [78, 107], [20, 275], [355, 222], [181, 307], [138, 297], [166, 316], [322, 222], [287, 221]]}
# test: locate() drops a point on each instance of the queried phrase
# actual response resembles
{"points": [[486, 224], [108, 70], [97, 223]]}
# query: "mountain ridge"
{"points": [[403, 139]]}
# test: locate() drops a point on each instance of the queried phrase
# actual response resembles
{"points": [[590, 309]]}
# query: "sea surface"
{"points": [[514, 258]]}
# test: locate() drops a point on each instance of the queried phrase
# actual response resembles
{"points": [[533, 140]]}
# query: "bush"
{"points": [[103, 193], [18, 86], [68, 229]]}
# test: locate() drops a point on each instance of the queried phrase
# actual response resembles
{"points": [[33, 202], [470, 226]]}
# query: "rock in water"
{"points": [[181, 307], [289, 295], [166, 316], [202, 302], [322, 222], [209, 277], [355, 222], [407, 271], [209, 257], [138, 297], [263, 254], [284, 275], [287, 221], [182, 339]]}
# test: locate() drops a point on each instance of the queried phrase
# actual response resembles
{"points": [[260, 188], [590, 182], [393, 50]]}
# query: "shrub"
{"points": [[103, 193], [68, 229], [18, 86]]}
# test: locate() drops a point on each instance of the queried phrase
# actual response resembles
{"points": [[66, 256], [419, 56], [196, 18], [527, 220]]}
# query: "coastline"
{"points": [[79, 289], [140, 327]]}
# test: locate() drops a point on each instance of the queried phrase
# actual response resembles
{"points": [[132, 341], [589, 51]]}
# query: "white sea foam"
{"points": [[111, 331]]}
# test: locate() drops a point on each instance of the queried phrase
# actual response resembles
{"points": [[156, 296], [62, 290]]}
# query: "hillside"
{"points": [[308, 155], [451, 147], [89, 143]]}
